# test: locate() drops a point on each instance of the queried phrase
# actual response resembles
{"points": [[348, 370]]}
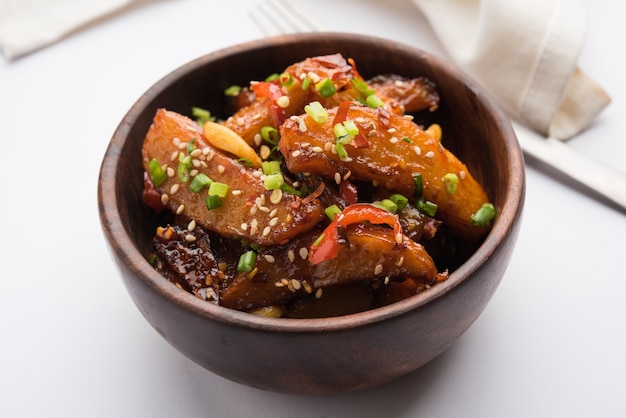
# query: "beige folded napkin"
{"points": [[525, 53], [28, 25]]}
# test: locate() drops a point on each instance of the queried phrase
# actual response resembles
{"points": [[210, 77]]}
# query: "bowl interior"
{"points": [[474, 129]]}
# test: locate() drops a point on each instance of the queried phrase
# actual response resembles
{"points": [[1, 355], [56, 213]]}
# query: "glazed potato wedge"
{"points": [[247, 211], [396, 149], [284, 273]]}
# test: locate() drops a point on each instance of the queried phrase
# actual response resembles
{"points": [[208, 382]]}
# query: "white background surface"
{"points": [[551, 343]]}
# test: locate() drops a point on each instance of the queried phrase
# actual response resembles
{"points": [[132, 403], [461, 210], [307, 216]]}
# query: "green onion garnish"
{"points": [[232, 91], [373, 101], [272, 77], [218, 189], [246, 262], [273, 181], [483, 215], [270, 167], [270, 135], [157, 174], [331, 211], [340, 130], [351, 128], [202, 115], [427, 207], [419, 186], [199, 182], [362, 87], [306, 83], [213, 201], [400, 200], [341, 151], [451, 181], [191, 146], [286, 80], [387, 204], [326, 88], [407, 140], [318, 240], [289, 189], [317, 112], [184, 167]]}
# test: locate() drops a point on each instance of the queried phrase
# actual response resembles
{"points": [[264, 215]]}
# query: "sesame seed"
{"points": [[317, 149], [279, 284], [267, 230], [347, 175], [337, 178], [253, 229], [318, 294], [273, 212], [240, 121], [176, 141], [190, 238], [204, 164], [296, 153], [307, 287], [391, 130], [399, 238], [291, 256], [400, 261], [253, 210], [417, 150], [236, 192], [165, 198], [180, 209], [313, 76], [264, 209], [394, 140], [269, 258], [399, 83], [193, 173], [257, 173], [276, 196], [182, 145], [265, 151], [274, 221], [257, 139], [328, 146], [378, 269], [244, 226], [304, 253], [408, 117], [195, 162], [430, 154], [283, 102], [221, 169], [296, 284], [174, 188], [284, 281], [196, 153], [191, 226], [387, 280], [174, 156], [170, 172], [462, 174], [210, 156]]}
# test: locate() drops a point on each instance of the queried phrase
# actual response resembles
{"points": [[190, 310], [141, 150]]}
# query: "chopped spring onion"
{"points": [[451, 181], [331, 211], [286, 80], [326, 88], [232, 91], [351, 127], [191, 146], [373, 101], [272, 77], [341, 151], [419, 186], [317, 112], [483, 215], [201, 115], [270, 135], [407, 140], [387, 204], [427, 207], [157, 174], [246, 262], [306, 83], [218, 189], [340, 131], [199, 182], [270, 167], [362, 87], [400, 200], [184, 167], [273, 181], [213, 202], [318, 240], [290, 189]]}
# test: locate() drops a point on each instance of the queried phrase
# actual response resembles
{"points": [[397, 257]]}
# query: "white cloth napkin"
{"points": [[28, 25], [525, 53]]}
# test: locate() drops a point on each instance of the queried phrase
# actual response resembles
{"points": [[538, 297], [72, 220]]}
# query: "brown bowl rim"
{"points": [[127, 252]]}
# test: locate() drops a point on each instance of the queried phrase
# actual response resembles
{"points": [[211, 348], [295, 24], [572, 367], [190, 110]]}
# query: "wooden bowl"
{"points": [[330, 355]]}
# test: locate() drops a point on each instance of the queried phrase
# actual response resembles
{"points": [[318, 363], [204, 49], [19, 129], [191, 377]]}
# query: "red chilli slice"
{"points": [[329, 245]]}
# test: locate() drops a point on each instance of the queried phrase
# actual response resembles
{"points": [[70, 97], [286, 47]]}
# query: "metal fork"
{"points": [[276, 17]]}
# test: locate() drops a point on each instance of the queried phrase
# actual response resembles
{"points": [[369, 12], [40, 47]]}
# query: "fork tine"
{"points": [[275, 17]]}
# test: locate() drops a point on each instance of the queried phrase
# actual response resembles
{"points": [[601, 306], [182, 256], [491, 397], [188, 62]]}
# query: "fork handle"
{"points": [[605, 181]]}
